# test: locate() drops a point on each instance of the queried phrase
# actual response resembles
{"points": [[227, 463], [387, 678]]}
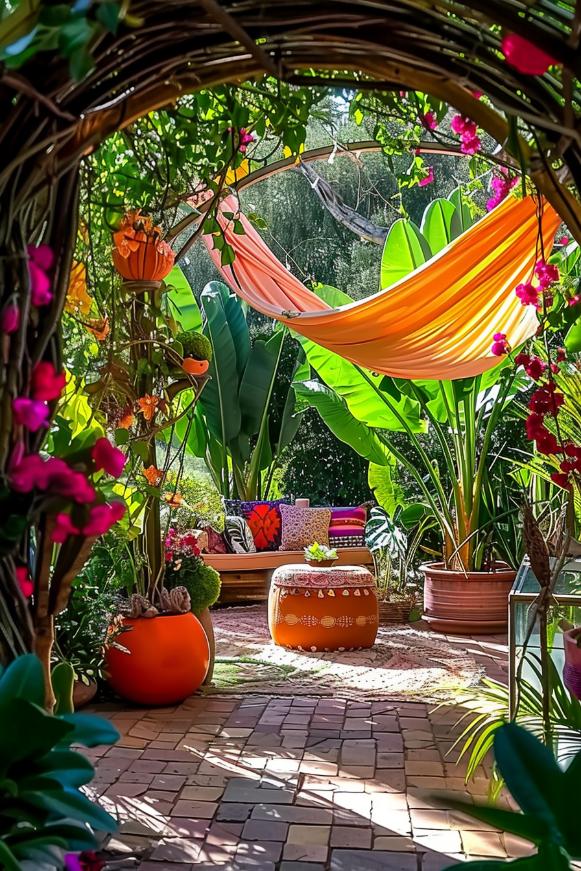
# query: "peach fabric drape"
{"points": [[437, 322]]}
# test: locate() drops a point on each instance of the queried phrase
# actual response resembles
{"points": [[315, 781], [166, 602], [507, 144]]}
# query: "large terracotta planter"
{"points": [[472, 603], [572, 670], [205, 619], [167, 660]]}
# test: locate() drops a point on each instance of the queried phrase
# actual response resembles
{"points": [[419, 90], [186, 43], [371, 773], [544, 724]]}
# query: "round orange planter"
{"points": [[167, 660], [152, 261], [195, 367], [472, 603]]}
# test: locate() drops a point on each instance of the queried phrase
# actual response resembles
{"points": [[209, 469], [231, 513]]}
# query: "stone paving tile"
{"points": [[296, 784]]}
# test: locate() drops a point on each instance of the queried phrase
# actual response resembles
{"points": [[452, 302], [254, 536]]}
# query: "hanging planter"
{"points": [[139, 253]]}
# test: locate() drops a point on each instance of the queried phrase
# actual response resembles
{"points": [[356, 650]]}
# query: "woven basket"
{"points": [[395, 611]]}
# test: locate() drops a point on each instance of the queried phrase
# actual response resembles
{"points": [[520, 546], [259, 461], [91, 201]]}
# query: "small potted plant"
{"points": [[572, 669], [319, 555], [184, 567], [196, 353]]}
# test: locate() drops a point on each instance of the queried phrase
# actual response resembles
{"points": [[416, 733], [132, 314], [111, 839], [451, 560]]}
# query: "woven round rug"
{"points": [[404, 663]]}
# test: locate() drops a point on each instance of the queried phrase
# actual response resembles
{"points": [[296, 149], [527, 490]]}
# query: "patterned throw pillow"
{"points": [[238, 535], [348, 516], [216, 541], [303, 526], [263, 518]]}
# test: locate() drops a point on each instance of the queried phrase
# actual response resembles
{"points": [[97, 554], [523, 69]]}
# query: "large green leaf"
{"points": [[341, 422], [440, 224], [220, 397], [258, 380], [89, 730], [405, 249], [464, 214], [28, 732], [23, 679], [291, 415], [387, 492], [361, 391], [531, 774], [183, 304]]}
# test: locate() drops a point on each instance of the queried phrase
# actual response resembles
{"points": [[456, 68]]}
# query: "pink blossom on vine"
{"points": [[525, 57], [427, 179], [63, 527], [41, 260], [24, 581], [245, 138], [500, 345], [467, 130], [63, 481], [429, 120], [9, 319], [575, 300], [46, 382], [103, 517], [547, 273], [26, 473], [107, 457], [527, 293], [30, 413], [564, 240], [470, 145]]}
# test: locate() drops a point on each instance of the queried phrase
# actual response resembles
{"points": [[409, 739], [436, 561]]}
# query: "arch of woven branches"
{"points": [[446, 49]]}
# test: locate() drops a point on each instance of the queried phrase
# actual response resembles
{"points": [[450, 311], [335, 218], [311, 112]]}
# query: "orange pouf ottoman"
{"points": [[319, 609]]}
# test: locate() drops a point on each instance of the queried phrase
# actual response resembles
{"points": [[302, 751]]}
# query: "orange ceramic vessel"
{"points": [[167, 660], [304, 620], [195, 367], [145, 264]]}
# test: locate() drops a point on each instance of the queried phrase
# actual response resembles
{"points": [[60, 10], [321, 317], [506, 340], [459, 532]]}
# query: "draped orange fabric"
{"points": [[437, 322]]}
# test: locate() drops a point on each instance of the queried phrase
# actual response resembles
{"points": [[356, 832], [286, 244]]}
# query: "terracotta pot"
{"points": [[572, 669], [83, 693], [152, 261], [394, 611], [205, 619], [321, 563], [472, 603], [194, 367], [167, 661]]}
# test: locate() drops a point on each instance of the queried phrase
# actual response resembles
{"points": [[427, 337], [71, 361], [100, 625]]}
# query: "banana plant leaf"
{"points": [[464, 212], [183, 304], [405, 249], [440, 224], [387, 492]]}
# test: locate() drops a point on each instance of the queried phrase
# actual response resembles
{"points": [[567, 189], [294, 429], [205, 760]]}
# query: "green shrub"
{"points": [[201, 581], [195, 345], [81, 629]]}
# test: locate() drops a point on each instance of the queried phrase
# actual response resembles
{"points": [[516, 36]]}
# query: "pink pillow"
{"points": [[355, 516], [344, 530]]}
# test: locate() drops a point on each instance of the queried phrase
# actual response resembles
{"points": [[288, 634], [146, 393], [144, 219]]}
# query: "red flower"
{"points": [[527, 294], [108, 458], [41, 259], [63, 481], [30, 413], [561, 480], [24, 581], [9, 318], [547, 273], [524, 56], [535, 425], [561, 355], [429, 120], [63, 527], [47, 383], [27, 474], [103, 517], [535, 368], [547, 443], [500, 346]]}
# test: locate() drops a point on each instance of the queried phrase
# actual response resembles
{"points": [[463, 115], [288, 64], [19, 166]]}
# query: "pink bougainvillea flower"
{"points": [[66, 482], [9, 318], [24, 581], [574, 299], [108, 458], [47, 383], [527, 293], [564, 240], [547, 273], [244, 138], [524, 56], [500, 345], [470, 145], [429, 120], [427, 179], [63, 527], [27, 473], [30, 413], [476, 94], [41, 259], [103, 517], [458, 124], [501, 187]]}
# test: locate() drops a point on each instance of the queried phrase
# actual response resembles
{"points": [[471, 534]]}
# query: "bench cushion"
{"points": [[265, 560]]}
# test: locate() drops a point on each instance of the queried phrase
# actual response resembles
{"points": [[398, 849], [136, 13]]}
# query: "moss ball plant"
{"points": [[195, 345], [201, 581]]}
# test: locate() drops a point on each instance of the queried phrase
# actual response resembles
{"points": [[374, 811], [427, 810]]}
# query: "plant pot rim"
{"points": [[322, 563], [501, 571], [160, 614]]}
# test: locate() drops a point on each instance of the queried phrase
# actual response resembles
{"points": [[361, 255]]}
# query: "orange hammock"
{"points": [[437, 322]]}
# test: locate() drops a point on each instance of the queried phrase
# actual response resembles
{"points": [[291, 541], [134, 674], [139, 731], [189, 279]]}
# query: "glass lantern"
{"points": [[567, 605]]}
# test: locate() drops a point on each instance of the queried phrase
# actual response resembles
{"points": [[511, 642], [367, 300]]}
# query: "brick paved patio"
{"points": [[294, 784]]}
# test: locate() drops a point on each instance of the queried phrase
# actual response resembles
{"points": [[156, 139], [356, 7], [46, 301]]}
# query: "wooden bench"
{"points": [[246, 576]]}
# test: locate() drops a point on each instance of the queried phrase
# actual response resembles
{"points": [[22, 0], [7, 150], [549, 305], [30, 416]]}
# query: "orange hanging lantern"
{"points": [[139, 253]]}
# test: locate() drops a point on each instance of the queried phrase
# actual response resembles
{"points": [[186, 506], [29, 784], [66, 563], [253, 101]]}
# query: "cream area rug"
{"points": [[404, 663]]}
